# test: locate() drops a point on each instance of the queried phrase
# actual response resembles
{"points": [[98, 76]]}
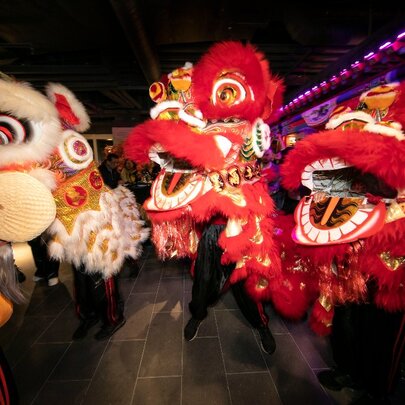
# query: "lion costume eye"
{"points": [[75, 150], [228, 92], [13, 131]]}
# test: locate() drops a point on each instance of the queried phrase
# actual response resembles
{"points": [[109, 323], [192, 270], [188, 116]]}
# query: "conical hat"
{"points": [[27, 207]]}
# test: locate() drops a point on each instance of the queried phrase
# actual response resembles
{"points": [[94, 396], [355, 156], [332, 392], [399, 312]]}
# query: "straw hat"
{"points": [[27, 207]]}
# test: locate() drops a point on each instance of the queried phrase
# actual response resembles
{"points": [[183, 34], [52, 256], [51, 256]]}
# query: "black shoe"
{"points": [[267, 341], [20, 275], [39, 276], [335, 380], [191, 329], [108, 330], [81, 332]]}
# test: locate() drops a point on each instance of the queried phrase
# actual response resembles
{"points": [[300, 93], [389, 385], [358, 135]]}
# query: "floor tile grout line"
{"points": [[95, 370], [54, 320], [247, 372], [106, 346], [267, 367], [36, 340], [110, 341], [69, 380], [53, 369], [312, 370], [182, 338], [223, 359], [44, 298], [146, 337], [305, 358], [137, 277], [152, 377]]}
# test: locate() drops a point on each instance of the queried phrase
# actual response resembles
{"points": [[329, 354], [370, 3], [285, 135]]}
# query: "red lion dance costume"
{"points": [[206, 133], [349, 234]]}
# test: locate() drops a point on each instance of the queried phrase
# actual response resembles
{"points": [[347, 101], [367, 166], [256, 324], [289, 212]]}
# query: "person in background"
{"points": [[285, 200], [19, 274], [46, 268], [129, 173], [109, 172], [368, 346]]}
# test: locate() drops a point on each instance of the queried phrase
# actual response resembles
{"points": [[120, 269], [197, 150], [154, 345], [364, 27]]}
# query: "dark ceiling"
{"points": [[109, 51]]}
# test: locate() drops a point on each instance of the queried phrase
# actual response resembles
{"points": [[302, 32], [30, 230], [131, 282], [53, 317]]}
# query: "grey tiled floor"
{"points": [[147, 362]]}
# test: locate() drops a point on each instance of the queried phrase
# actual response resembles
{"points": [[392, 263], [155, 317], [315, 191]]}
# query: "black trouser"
{"points": [[97, 298], [210, 277], [46, 267], [368, 344]]}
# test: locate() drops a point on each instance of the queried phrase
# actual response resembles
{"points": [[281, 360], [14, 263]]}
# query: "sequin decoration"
{"points": [[95, 180], [74, 195], [80, 148], [392, 263]]}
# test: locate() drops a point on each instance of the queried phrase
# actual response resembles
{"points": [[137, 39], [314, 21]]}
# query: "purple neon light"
{"points": [[384, 46], [356, 64]]}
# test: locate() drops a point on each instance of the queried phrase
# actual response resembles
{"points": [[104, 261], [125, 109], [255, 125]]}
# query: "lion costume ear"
{"points": [[274, 93], [72, 112]]}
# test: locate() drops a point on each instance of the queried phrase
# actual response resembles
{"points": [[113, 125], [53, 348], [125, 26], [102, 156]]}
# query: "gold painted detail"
{"points": [[91, 240], [262, 283], [265, 261], [75, 196], [234, 176], [258, 236], [325, 302], [235, 194], [393, 263], [233, 227], [193, 241], [241, 263], [104, 246], [395, 211], [247, 152]]}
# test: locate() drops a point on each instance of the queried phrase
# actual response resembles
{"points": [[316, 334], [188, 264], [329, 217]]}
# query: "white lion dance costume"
{"points": [[93, 227]]}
